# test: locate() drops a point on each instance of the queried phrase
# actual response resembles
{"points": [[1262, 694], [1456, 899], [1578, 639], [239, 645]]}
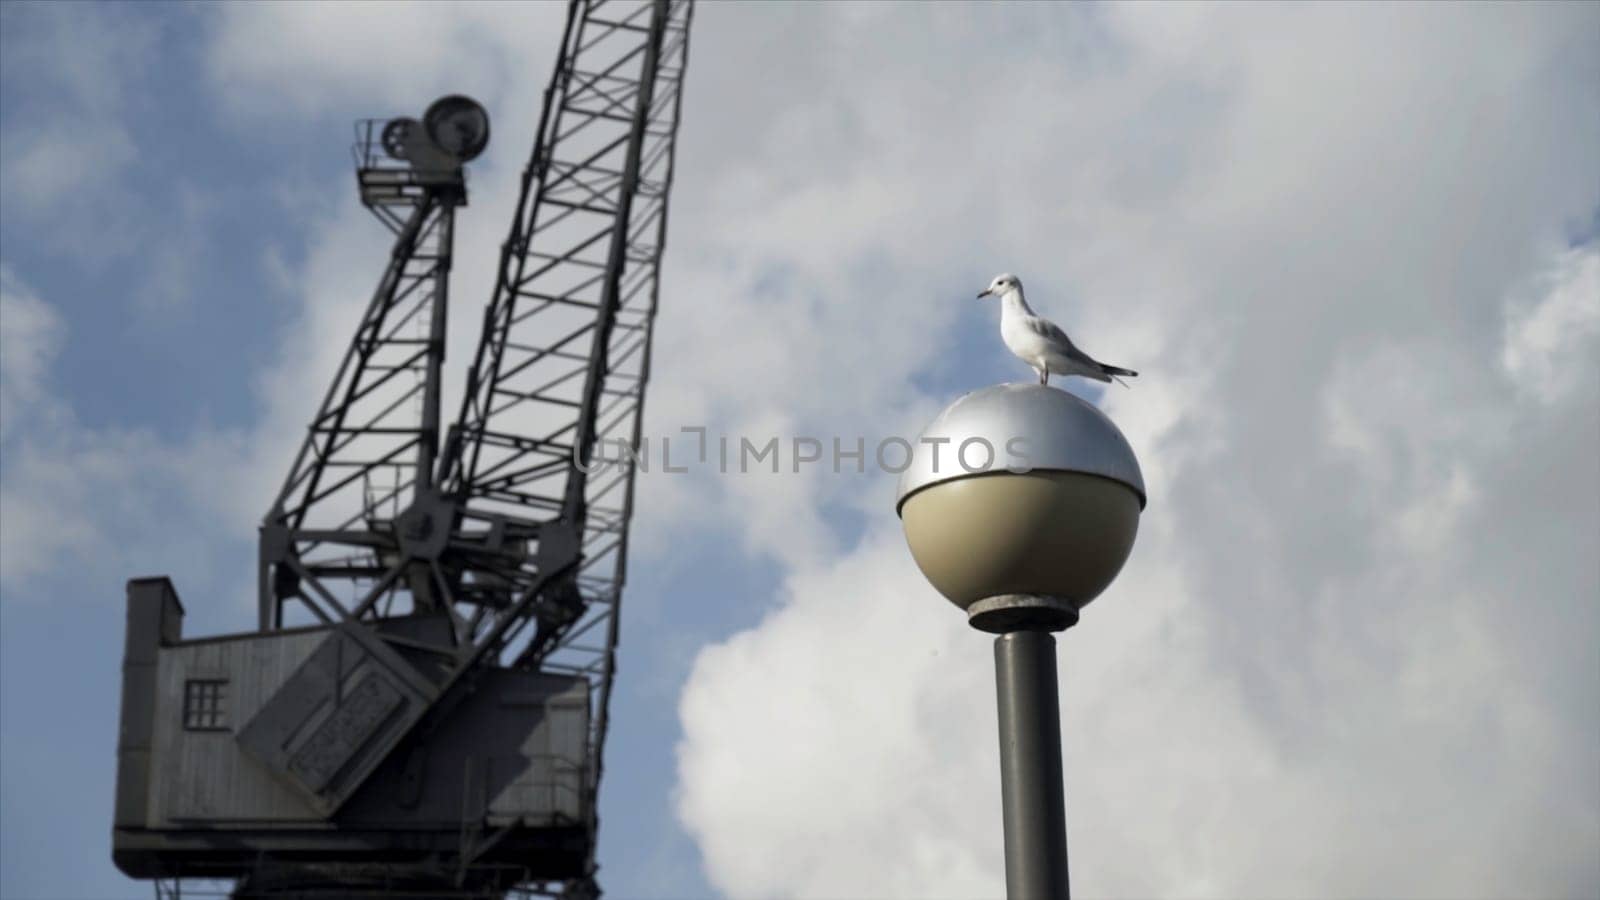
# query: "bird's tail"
{"points": [[1114, 371]]}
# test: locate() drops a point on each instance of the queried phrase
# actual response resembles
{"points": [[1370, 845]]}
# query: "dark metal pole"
{"points": [[1030, 766]]}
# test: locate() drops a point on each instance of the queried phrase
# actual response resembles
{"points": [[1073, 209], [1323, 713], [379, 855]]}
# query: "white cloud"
{"points": [[47, 163], [856, 641], [1548, 337], [1317, 675], [97, 500], [276, 60], [30, 337], [67, 140], [826, 748]]}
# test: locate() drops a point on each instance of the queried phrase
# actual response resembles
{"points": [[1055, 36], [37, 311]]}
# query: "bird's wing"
{"points": [[1050, 332]]}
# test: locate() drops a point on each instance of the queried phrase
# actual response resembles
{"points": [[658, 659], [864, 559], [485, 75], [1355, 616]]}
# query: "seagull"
{"points": [[1039, 342]]}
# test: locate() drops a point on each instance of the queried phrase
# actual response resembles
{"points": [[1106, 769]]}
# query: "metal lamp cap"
{"points": [[1019, 428]]}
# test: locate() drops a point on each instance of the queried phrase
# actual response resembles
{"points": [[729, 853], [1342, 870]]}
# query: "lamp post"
{"points": [[1020, 506]]}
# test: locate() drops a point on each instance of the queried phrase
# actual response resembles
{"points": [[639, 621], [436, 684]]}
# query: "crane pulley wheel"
{"points": [[395, 135]]}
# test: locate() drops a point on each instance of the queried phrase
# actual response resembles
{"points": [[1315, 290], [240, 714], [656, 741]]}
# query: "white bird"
{"points": [[1041, 343]]}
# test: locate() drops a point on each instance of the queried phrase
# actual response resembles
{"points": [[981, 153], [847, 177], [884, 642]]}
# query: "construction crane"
{"points": [[423, 707]]}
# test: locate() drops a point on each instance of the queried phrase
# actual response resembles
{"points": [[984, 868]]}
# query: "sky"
{"points": [[1353, 250]]}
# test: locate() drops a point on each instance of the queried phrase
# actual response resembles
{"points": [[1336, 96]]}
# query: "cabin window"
{"points": [[205, 705]]}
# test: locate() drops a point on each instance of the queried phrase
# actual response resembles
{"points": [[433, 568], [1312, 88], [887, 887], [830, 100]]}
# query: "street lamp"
{"points": [[1020, 506]]}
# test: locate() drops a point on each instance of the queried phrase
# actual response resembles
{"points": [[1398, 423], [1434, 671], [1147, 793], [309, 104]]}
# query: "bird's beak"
{"points": [[984, 293]]}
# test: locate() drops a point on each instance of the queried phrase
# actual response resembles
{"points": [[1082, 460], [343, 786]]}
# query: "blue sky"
{"points": [[1350, 249]]}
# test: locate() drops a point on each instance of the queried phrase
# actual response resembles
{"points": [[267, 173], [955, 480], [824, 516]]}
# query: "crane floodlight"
{"points": [[458, 125]]}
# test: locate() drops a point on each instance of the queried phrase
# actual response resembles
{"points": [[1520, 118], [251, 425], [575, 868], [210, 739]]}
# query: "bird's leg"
{"points": [[1044, 376]]}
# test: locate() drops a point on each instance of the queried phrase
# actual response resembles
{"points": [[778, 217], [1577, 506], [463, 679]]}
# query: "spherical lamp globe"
{"points": [[1021, 505]]}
